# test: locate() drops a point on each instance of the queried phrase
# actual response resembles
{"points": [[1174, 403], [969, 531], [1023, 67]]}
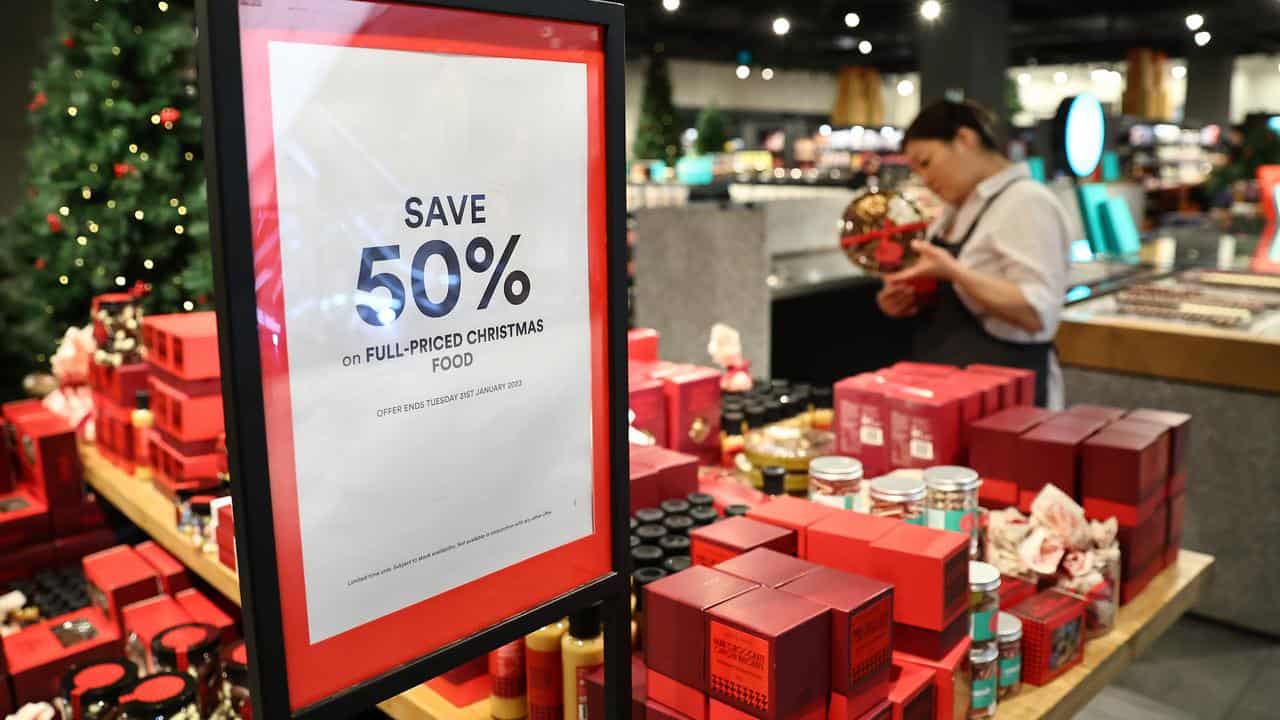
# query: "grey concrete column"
{"points": [[964, 53], [1209, 73]]}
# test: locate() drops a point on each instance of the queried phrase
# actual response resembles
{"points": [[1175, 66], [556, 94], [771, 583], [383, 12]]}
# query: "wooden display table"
{"points": [[1170, 595]]}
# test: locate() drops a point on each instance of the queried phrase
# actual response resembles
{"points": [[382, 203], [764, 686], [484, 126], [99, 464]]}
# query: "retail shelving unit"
{"points": [[1170, 595]]}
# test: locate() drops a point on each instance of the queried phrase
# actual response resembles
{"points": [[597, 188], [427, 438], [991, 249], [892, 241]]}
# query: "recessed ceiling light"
{"points": [[1060, 78], [852, 20], [906, 87], [671, 5], [1195, 21], [743, 72], [824, 129], [864, 47], [1024, 78], [930, 10], [1178, 71], [1203, 37], [781, 26], [767, 73]]}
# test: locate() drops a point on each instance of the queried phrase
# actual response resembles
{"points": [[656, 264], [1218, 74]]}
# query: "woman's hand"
{"points": [[932, 261], [897, 299]]}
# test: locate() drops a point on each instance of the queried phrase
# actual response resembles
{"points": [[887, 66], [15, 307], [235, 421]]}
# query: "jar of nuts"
{"points": [[836, 481], [899, 496], [984, 602], [983, 670], [952, 501], [1009, 642]]}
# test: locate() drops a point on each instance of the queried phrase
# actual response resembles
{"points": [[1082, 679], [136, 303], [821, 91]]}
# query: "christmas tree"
{"points": [[711, 134], [115, 183], [658, 134]]}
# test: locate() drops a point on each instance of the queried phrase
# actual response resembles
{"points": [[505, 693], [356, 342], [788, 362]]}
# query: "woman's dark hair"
{"points": [[941, 120]]}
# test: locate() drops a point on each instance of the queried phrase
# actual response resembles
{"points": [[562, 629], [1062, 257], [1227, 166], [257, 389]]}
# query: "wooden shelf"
{"points": [[1170, 595]]}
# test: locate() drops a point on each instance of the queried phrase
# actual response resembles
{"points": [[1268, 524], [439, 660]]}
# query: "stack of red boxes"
{"points": [[677, 405], [993, 453], [115, 386], [1179, 425], [659, 474], [186, 400]]}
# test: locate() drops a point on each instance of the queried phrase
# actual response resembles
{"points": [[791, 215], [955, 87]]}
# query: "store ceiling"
{"points": [[1044, 31]]}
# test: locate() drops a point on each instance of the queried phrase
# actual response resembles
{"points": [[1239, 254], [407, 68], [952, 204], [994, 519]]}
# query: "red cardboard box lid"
{"points": [[159, 559], [791, 512], [1055, 433], [1015, 420], [1085, 423], [1106, 412], [923, 541], [37, 645], [146, 618], [842, 591], [117, 567], [1049, 608], [769, 613], [907, 682], [202, 610], [740, 532], [767, 567], [855, 526]]}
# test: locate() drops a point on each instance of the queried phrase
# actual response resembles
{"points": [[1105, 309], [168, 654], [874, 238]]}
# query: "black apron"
{"points": [[947, 332]]}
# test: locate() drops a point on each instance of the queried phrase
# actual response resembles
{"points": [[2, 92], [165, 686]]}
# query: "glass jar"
{"points": [[92, 692], [192, 648], [163, 696], [1009, 642], [836, 482], [984, 602], [236, 704], [951, 502], [898, 496], [983, 673]]}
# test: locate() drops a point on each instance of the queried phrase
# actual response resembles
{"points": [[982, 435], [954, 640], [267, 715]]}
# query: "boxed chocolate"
{"points": [[143, 620], [929, 570], [677, 472], [1007, 387], [951, 679], [769, 654], [1014, 590], [49, 459], [693, 412], [990, 385], [1123, 466], [932, 644], [993, 441], [1024, 386], [861, 612], [1179, 425], [794, 514], [644, 481], [24, 520], [1144, 541], [1053, 628], [1104, 412], [203, 610], [767, 567], [838, 709], [676, 636], [1157, 430], [924, 428], [969, 395], [713, 544], [184, 345], [117, 577], [187, 414], [40, 654], [862, 422], [1048, 455], [642, 345], [595, 692], [648, 401], [173, 574], [843, 540], [911, 693]]}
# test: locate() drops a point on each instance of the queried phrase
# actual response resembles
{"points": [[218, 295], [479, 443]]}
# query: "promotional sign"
{"points": [[418, 255]]}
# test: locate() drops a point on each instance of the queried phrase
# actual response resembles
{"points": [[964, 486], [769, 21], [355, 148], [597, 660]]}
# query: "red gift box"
{"points": [[69, 520], [1131, 587], [1140, 540], [1177, 510], [643, 481], [173, 574], [767, 567], [183, 344], [49, 459], [119, 384], [595, 692], [794, 514], [1179, 425], [932, 644], [693, 412], [114, 433], [950, 679], [990, 385], [676, 635], [184, 415], [861, 632], [1049, 455], [713, 544], [911, 693], [769, 654], [862, 422], [465, 684], [143, 620], [113, 301], [923, 368], [924, 427], [677, 699], [203, 610], [642, 345], [175, 471], [838, 709], [993, 440], [677, 471], [1024, 381], [1053, 628], [1102, 412], [996, 494], [969, 395], [929, 570], [843, 540], [1158, 430], [1014, 590], [40, 654], [24, 520], [71, 549], [1123, 466], [721, 711], [647, 398], [117, 577]]}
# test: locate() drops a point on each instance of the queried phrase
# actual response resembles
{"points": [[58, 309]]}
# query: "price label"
{"points": [[434, 260]]}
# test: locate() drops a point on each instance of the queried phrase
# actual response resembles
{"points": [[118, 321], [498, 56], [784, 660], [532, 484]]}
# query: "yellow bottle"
{"points": [[507, 673], [544, 688], [142, 420], [581, 653]]}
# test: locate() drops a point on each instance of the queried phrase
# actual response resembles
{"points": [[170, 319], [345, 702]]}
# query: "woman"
{"points": [[999, 253]]}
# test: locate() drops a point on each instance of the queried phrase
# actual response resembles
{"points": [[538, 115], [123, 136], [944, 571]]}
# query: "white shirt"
{"points": [[1024, 237]]}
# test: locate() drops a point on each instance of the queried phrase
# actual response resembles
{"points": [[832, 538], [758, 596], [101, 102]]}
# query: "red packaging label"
{"points": [[545, 689], [870, 645], [740, 666], [709, 554], [506, 670], [913, 441], [701, 415], [582, 673]]}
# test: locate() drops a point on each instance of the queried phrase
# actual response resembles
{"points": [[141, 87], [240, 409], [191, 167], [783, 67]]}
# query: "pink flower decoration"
{"points": [[1041, 551]]}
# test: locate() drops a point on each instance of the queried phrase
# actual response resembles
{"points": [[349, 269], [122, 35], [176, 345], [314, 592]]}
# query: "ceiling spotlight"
{"points": [[781, 26], [1024, 78], [1099, 75], [743, 72], [824, 130], [930, 10], [671, 5], [1202, 38], [864, 47], [1178, 71], [767, 73], [1060, 78], [852, 20], [906, 87], [1195, 21]]}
